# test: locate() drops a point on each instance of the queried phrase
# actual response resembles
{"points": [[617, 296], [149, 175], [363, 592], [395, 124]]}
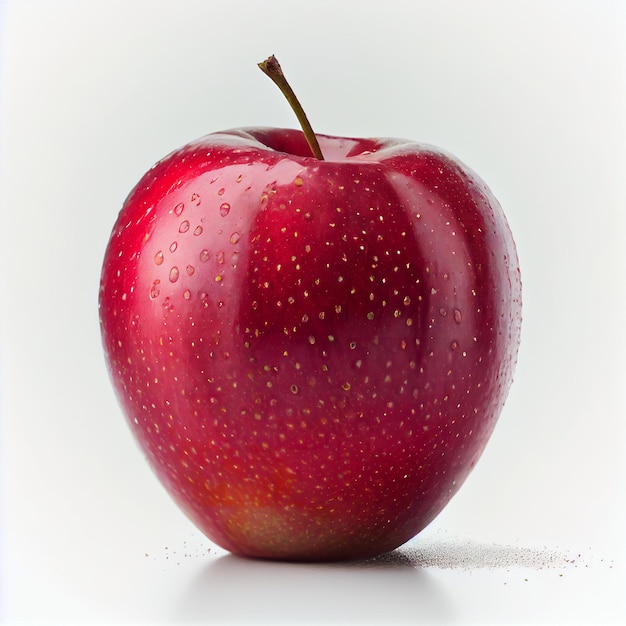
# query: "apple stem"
{"points": [[271, 67]]}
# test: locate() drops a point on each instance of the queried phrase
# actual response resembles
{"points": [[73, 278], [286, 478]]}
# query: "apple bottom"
{"points": [[346, 515]]}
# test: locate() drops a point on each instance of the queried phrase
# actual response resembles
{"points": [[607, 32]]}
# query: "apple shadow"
{"points": [[393, 588], [385, 590]]}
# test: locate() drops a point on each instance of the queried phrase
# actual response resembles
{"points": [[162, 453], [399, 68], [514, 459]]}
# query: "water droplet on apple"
{"points": [[224, 209], [184, 226], [190, 270], [178, 209], [152, 226], [234, 238], [174, 273], [158, 257], [173, 246], [220, 258], [187, 294], [454, 345], [155, 290], [205, 256], [457, 316], [221, 192], [197, 231], [294, 389]]}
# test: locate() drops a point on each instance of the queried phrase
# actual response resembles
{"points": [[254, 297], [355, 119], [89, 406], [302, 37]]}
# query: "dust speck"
{"points": [[465, 554]]}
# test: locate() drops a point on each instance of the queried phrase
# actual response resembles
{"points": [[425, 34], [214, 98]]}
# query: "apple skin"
{"points": [[311, 354]]}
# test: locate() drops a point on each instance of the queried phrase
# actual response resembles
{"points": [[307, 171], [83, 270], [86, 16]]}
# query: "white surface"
{"points": [[530, 94]]}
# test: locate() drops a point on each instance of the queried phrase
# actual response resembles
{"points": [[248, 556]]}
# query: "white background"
{"points": [[531, 94]]}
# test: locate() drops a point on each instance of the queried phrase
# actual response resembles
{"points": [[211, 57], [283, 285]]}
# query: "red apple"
{"points": [[311, 353]]}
